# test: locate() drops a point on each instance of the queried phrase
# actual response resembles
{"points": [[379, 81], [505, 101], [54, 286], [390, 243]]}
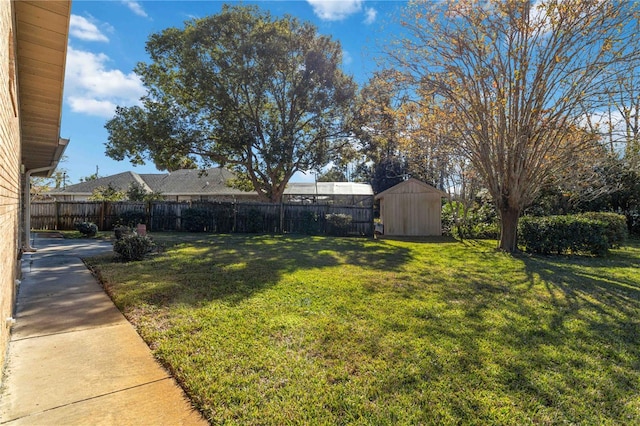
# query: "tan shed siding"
{"points": [[410, 215], [9, 176], [410, 209]]}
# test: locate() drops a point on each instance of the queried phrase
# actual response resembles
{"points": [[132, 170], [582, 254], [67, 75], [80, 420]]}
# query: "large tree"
{"points": [[380, 129], [265, 97], [519, 76]]}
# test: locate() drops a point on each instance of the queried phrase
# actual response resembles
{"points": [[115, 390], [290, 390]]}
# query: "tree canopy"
{"points": [[265, 97], [516, 79]]}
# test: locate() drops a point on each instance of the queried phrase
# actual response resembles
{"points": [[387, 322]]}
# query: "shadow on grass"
{"points": [[598, 286], [233, 267], [557, 334], [590, 331], [478, 335]]}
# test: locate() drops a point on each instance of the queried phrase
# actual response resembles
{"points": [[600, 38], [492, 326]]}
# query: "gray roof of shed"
{"points": [[399, 188]]}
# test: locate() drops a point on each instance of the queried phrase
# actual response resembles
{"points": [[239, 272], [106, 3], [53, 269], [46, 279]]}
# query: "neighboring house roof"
{"points": [[42, 29], [213, 181], [180, 182], [411, 185], [194, 182], [328, 188], [119, 182]]}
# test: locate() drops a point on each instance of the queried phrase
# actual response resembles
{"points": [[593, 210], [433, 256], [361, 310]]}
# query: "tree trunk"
{"points": [[509, 229]]}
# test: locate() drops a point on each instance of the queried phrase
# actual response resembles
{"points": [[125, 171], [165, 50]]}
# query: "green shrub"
{"points": [[255, 221], [633, 222], [133, 247], [196, 220], [120, 231], [616, 225], [563, 234], [223, 218], [479, 222], [310, 224], [338, 223], [131, 218], [88, 229], [484, 230]]}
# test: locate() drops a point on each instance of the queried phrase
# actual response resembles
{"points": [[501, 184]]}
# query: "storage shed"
{"points": [[411, 208]]}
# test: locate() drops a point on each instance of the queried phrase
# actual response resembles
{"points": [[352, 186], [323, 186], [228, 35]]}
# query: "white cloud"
{"points": [[370, 15], [84, 29], [346, 58], [90, 106], [94, 89], [135, 7], [335, 10]]}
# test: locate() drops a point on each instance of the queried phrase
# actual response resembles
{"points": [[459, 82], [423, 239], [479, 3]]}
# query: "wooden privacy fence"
{"points": [[220, 217]]}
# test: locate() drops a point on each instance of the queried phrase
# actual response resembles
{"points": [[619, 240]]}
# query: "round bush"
{"points": [[338, 223], [88, 229], [133, 247]]}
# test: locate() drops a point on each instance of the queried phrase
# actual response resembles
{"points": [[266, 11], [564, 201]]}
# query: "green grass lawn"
{"points": [[318, 330], [74, 235]]}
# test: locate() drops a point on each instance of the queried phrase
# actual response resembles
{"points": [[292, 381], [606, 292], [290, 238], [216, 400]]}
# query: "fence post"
{"points": [[101, 217], [235, 216], [281, 217], [147, 211], [56, 215]]}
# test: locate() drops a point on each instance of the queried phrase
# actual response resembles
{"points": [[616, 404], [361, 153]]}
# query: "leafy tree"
{"points": [[137, 192], [380, 127], [107, 193], [334, 174], [401, 137], [519, 76], [383, 174], [59, 178], [40, 186], [90, 177], [263, 96]]}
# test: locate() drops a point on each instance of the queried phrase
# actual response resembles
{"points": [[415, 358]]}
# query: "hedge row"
{"points": [[593, 233], [616, 226]]}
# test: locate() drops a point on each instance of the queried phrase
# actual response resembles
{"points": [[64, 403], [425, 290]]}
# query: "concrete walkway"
{"points": [[73, 358]]}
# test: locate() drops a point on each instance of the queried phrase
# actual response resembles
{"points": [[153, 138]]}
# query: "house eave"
{"points": [[42, 29]]}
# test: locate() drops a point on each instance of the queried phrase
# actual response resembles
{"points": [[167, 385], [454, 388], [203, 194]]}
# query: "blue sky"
{"points": [[107, 39]]}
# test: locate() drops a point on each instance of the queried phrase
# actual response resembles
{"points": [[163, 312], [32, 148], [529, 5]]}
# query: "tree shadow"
{"points": [[587, 283], [559, 337], [232, 268], [587, 325]]}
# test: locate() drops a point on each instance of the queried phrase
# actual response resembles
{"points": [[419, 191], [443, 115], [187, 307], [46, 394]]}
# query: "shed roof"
{"points": [[411, 185], [328, 188]]}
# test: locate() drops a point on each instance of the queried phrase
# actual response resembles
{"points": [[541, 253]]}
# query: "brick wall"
{"points": [[9, 174]]}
